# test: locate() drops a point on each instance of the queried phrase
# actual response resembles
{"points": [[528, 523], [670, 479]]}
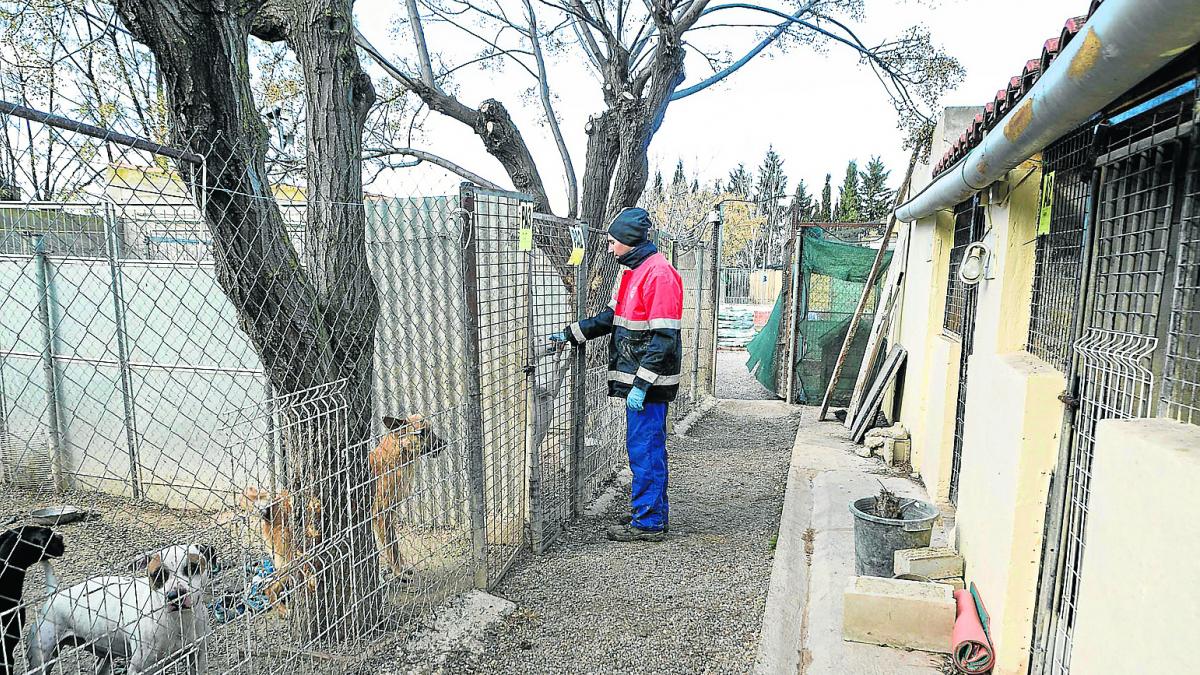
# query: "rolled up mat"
{"points": [[970, 643]]}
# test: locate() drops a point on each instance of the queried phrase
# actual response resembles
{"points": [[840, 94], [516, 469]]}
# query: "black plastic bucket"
{"points": [[876, 539]]}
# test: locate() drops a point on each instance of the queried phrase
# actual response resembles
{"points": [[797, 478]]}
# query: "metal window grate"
{"points": [[1058, 266], [966, 231], [1181, 372], [960, 319], [1133, 225]]}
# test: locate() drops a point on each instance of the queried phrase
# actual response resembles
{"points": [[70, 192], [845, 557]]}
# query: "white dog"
{"points": [[152, 622]]}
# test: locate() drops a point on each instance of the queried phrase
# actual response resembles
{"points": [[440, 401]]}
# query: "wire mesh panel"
{"points": [[961, 301], [186, 401], [603, 446], [1058, 266], [552, 289], [692, 260], [1181, 372], [831, 282], [1134, 217], [502, 274]]}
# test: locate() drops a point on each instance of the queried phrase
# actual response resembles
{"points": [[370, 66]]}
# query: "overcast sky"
{"points": [[817, 109]]}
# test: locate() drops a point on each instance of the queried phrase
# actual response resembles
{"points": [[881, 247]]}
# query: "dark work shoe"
{"points": [[627, 519], [631, 533]]}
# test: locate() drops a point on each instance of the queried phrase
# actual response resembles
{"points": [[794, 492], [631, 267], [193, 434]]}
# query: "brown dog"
{"points": [[276, 527], [393, 463]]}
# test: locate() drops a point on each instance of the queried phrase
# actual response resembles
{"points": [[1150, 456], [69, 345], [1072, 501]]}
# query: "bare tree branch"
{"points": [[422, 48], [551, 117], [491, 122], [424, 156]]}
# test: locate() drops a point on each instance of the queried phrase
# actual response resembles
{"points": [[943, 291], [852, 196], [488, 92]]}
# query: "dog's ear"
{"points": [[392, 424], [210, 555], [157, 571]]}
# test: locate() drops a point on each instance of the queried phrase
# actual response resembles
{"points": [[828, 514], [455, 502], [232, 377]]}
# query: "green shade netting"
{"points": [[832, 276]]}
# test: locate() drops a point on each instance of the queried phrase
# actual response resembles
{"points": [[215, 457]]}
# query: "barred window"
{"points": [[1181, 373], [968, 228], [1058, 266]]}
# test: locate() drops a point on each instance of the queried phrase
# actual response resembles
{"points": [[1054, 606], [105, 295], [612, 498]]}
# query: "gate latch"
{"points": [[1069, 400]]}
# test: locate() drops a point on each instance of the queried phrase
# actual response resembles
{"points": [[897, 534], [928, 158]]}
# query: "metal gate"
{"points": [[497, 300], [961, 301], [1126, 295]]}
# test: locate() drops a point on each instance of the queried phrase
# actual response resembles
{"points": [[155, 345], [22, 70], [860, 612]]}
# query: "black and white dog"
{"points": [[20, 549], [153, 622]]}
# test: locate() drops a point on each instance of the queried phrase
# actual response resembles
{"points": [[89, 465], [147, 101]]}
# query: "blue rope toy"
{"points": [[234, 604]]}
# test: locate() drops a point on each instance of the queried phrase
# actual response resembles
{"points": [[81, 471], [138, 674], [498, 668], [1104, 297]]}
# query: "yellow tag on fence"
{"points": [[525, 243], [1046, 209], [576, 256]]}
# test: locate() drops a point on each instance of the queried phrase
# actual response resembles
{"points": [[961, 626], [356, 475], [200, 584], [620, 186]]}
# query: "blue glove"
{"points": [[559, 337], [636, 400]]}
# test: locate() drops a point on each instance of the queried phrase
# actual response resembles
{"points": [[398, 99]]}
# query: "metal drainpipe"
{"points": [[1124, 42]]}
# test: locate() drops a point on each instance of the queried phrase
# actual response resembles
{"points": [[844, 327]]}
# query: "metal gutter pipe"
{"points": [[1123, 43]]}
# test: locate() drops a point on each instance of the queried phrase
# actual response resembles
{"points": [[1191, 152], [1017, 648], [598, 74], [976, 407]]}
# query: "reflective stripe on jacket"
{"points": [[644, 317]]}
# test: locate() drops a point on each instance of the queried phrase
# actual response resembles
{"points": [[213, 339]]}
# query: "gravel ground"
{"points": [[690, 605], [734, 381]]}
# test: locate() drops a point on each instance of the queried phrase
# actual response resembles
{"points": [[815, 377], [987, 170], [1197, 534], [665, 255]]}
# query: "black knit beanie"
{"points": [[631, 226]]}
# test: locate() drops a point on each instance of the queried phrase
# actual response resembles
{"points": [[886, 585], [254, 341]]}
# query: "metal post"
{"points": [[579, 385], [49, 371], [535, 509], [794, 335], [112, 249], [718, 289], [699, 315], [474, 426]]}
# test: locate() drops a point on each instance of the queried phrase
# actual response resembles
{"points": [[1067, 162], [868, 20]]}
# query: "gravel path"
{"points": [[690, 605], [734, 381]]}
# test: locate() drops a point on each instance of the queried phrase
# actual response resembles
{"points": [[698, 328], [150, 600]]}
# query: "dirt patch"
{"points": [[691, 604]]}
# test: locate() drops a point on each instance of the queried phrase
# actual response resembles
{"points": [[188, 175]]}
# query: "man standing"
{"points": [[644, 318]]}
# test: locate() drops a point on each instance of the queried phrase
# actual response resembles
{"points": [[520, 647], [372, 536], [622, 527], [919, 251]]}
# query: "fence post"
{"points": [[718, 292], [112, 252], [536, 508], [49, 371], [474, 426], [699, 320], [579, 384], [794, 301]]}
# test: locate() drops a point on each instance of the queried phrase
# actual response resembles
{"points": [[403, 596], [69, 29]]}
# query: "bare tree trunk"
{"points": [[311, 325]]}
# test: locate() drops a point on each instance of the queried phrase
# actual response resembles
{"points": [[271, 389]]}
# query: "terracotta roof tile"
{"points": [[1018, 85]]}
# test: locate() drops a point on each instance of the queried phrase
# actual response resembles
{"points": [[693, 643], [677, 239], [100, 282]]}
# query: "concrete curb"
{"points": [[781, 638]]}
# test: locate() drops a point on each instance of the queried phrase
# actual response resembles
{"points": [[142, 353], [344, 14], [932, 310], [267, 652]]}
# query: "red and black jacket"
{"points": [[644, 318]]}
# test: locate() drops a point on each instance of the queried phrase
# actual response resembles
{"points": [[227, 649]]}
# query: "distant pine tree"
{"points": [[802, 202], [679, 180], [740, 181], [825, 215], [877, 197], [849, 208], [658, 184]]}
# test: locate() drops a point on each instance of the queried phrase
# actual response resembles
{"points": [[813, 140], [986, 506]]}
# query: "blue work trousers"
{"points": [[646, 442]]}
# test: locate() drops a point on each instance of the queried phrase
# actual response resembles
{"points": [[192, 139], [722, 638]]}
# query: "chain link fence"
{"points": [[336, 432]]}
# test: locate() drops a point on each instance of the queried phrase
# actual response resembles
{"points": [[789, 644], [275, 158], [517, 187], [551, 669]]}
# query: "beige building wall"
{"points": [[1137, 605], [1013, 418], [1012, 427]]}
